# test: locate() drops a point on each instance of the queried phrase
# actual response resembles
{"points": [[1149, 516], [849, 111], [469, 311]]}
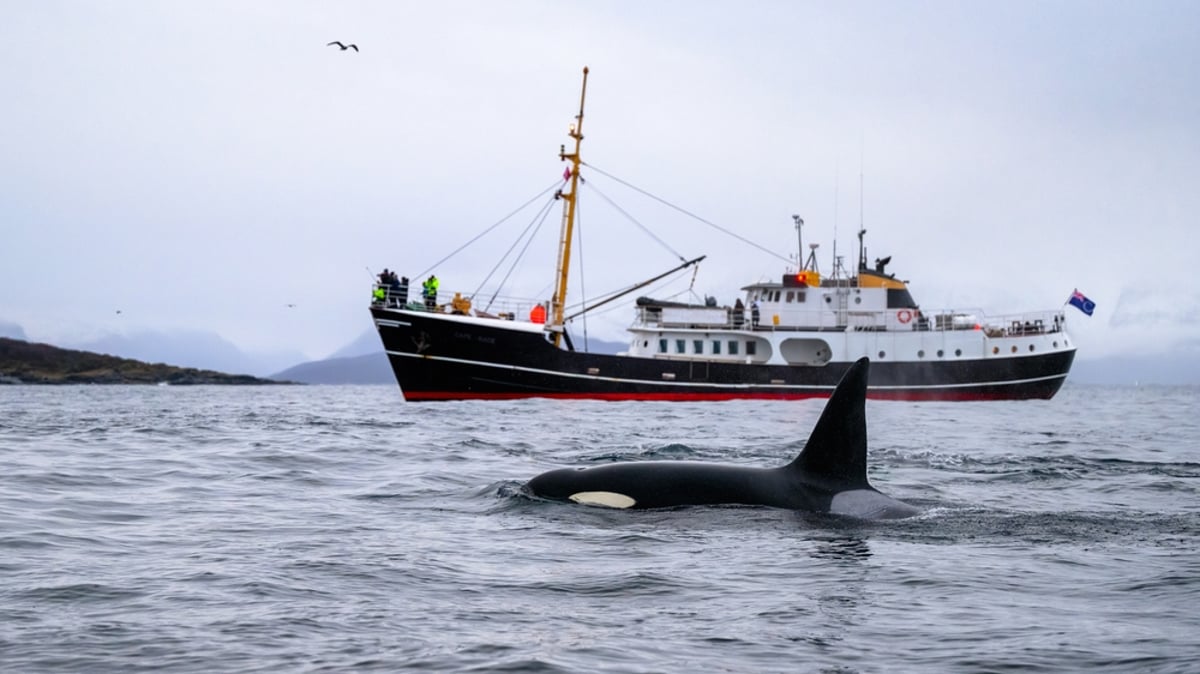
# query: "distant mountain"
{"points": [[603, 346], [12, 331], [190, 348], [23, 362], [367, 342], [372, 368], [364, 362]]}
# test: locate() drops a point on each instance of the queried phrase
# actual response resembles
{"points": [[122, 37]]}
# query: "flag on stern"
{"points": [[1081, 302]]}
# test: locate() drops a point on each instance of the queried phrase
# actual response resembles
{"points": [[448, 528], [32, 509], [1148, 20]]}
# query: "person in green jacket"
{"points": [[430, 290]]}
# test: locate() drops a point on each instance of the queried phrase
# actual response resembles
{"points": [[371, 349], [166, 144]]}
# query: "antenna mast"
{"points": [[836, 183], [862, 230], [799, 241]]}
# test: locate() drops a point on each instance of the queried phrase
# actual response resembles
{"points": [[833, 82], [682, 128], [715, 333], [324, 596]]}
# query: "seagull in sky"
{"points": [[343, 46], [290, 306]]}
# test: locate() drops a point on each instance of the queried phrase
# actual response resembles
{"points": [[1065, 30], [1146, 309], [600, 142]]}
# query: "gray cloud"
{"points": [[199, 165]]}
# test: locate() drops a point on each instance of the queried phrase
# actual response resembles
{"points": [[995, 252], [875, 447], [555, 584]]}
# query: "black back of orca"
{"points": [[829, 475]]}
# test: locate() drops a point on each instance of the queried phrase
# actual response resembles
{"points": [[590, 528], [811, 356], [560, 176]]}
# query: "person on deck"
{"points": [[399, 290], [430, 290], [754, 314], [739, 314]]}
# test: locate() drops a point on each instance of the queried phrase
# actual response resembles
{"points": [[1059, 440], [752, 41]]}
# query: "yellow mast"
{"points": [[558, 302]]}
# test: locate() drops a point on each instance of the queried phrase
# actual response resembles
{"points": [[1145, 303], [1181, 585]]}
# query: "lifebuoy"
{"points": [[904, 315]]}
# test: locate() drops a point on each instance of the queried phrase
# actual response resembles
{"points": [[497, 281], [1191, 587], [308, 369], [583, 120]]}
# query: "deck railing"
{"points": [[890, 320], [715, 318], [398, 297]]}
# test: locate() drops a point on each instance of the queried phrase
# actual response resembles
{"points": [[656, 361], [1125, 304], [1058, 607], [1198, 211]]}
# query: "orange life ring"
{"points": [[904, 315]]}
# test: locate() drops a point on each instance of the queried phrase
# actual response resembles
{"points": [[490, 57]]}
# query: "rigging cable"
{"points": [[687, 213], [582, 287], [634, 220], [539, 219], [497, 224]]}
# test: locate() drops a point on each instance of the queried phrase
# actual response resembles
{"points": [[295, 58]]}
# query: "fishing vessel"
{"points": [[790, 338]]}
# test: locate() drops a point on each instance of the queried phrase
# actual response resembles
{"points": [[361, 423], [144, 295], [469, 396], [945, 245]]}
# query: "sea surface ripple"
{"points": [[332, 529]]}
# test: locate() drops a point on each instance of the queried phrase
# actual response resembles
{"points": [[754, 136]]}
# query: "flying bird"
{"points": [[343, 46]]}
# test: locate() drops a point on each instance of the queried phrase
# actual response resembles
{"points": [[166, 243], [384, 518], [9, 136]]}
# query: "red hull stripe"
{"points": [[945, 395]]}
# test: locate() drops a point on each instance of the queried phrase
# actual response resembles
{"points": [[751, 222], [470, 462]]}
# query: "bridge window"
{"points": [[751, 348], [697, 346], [679, 346], [662, 346], [716, 347], [733, 347]]}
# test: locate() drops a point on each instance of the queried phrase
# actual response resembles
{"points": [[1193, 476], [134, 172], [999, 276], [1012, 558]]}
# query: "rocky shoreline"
{"points": [[28, 363]]}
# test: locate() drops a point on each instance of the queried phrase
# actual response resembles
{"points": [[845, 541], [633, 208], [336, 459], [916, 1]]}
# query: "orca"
{"points": [[829, 475]]}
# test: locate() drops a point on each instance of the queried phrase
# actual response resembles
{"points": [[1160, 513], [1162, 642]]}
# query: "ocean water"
{"points": [[338, 529]]}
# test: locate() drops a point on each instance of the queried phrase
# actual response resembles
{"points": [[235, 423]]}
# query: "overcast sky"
{"points": [[201, 165]]}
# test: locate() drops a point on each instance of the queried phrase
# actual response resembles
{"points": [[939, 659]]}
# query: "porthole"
{"points": [[828, 299], [921, 353], [1056, 344], [995, 350], [882, 354], [1030, 348], [1066, 343], [958, 352], [858, 300], [941, 353], [1014, 348]]}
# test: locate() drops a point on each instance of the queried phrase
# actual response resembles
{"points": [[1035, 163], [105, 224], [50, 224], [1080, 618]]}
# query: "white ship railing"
{"points": [[890, 320], [508, 308], [717, 318]]}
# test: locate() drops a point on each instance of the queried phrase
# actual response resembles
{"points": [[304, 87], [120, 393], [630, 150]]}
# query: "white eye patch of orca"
{"points": [[608, 499]]}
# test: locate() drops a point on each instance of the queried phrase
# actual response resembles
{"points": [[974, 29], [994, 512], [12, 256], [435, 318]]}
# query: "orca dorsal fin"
{"points": [[836, 451]]}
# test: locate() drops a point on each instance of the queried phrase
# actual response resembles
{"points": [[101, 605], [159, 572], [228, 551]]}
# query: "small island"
{"points": [[28, 363]]}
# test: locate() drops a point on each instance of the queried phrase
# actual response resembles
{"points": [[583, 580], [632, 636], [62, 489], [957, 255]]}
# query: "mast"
{"points": [[559, 301]]}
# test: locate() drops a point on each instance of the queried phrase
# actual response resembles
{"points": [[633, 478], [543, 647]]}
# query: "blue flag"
{"points": [[1081, 302]]}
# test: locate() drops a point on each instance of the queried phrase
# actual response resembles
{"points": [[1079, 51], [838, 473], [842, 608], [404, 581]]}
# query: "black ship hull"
{"points": [[443, 357]]}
